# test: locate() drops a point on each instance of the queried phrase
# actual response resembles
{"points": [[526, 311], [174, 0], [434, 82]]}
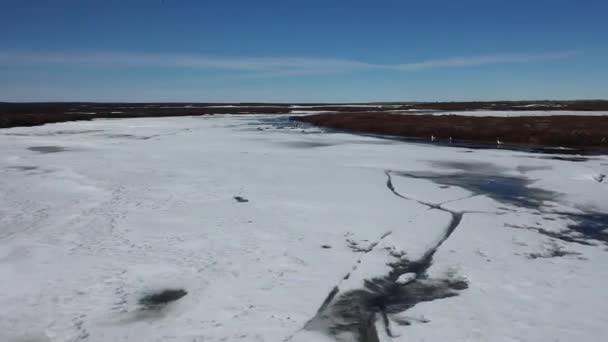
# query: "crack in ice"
{"points": [[354, 313]]}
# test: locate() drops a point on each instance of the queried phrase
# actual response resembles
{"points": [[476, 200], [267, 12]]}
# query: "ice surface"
{"points": [[93, 221]]}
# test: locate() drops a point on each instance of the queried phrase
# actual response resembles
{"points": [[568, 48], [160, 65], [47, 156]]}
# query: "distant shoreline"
{"points": [[569, 131], [584, 131]]}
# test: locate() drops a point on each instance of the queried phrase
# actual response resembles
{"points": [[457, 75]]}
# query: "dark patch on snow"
{"points": [[157, 299], [18, 134], [356, 311], [590, 225], [502, 188], [553, 250], [83, 131], [326, 246], [372, 142], [121, 136], [23, 168], [48, 149], [49, 134], [587, 228], [147, 137], [599, 178], [131, 136], [478, 167], [308, 144], [564, 236], [528, 168], [568, 158], [240, 199]]}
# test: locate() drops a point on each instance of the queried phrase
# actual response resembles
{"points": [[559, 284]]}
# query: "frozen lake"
{"points": [[277, 232]]}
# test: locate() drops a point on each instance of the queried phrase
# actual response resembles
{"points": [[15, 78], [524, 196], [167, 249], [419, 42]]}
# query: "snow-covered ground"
{"points": [[334, 237]]}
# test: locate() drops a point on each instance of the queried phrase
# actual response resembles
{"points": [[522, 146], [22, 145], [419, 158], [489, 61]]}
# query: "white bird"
{"points": [[432, 138]]}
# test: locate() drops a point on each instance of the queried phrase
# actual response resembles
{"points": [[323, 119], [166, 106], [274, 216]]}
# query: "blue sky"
{"points": [[302, 51]]}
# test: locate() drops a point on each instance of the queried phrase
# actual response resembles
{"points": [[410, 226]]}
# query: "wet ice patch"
{"points": [[585, 228], [308, 144], [589, 225], [48, 149], [512, 190], [530, 168], [55, 133], [161, 298], [354, 314], [566, 158], [29, 336], [552, 250], [241, 199], [477, 167], [23, 168]]}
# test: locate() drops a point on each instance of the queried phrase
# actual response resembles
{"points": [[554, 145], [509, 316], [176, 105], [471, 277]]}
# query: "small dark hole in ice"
{"points": [[309, 144], [240, 199], [563, 158], [459, 284], [163, 297], [23, 168], [47, 149]]}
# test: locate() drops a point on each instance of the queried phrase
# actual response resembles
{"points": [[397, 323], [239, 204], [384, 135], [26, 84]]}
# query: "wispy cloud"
{"points": [[259, 67], [455, 62], [176, 61]]}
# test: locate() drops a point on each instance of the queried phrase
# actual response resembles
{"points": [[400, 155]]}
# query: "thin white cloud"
{"points": [[455, 62], [262, 67], [176, 61]]}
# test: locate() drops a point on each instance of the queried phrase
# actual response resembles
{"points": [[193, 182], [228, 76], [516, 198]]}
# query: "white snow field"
{"points": [[333, 237]]}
